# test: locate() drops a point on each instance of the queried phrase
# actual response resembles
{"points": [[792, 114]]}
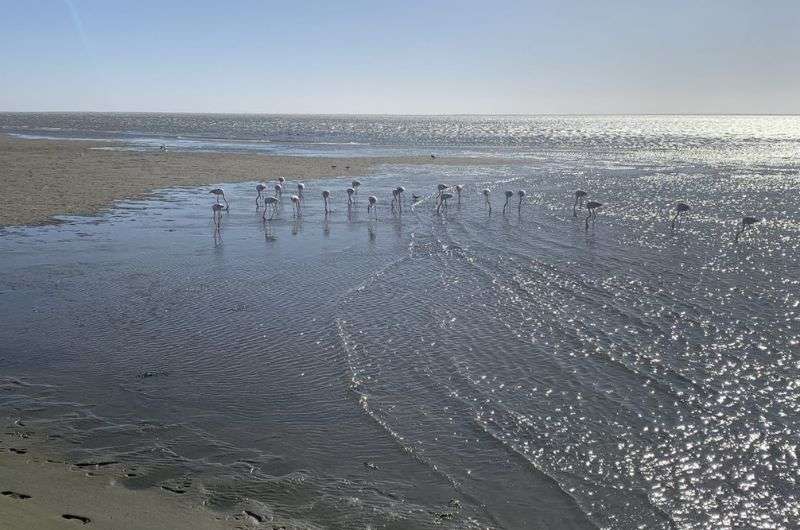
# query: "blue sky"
{"points": [[401, 57]]}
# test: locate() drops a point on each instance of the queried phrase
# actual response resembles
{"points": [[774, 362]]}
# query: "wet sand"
{"points": [[45, 178], [41, 489]]}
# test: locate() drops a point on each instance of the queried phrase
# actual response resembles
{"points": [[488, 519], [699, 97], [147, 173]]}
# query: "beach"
{"points": [[44, 178], [493, 363]]}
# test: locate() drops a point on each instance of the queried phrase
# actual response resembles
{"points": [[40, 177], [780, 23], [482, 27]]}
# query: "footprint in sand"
{"points": [[15, 495], [80, 518], [255, 516]]}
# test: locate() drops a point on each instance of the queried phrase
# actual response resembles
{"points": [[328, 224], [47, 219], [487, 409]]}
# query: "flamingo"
{"points": [[218, 192], [509, 194], [355, 185], [296, 206], [272, 201], [259, 189], [281, 181], [373, 205], [745, 224], [397, 196], [579, 196], [300, 188], [278, 191], [216, 214], [459, 189], [486, 201], [415, 198], [443, 201], [680, 210], [326, 195], [521, 195], [592, 206], [350, 192]]}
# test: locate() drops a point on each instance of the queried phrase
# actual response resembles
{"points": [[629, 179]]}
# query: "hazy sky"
{"points": [[405, 56]]}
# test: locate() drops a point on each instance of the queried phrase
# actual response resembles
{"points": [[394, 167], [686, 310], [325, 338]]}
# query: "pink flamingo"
{"points": [[746, 223], [259, 189], [373, 205], [592, 206], [579, 196], [296, 212], [680, 211], [270, 201], [509, 194], [218, 192], [326, 195]]}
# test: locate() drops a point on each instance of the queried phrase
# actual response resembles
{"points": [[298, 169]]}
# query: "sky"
{"points": [[401, 57]]}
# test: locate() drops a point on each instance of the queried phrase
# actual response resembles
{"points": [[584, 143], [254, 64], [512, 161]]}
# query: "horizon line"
{"points": [[366, 114]]}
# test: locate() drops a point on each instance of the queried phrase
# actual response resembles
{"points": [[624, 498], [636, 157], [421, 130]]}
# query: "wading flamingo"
{"points": [[521, 195], [216, 214], [443, 201], [350, 193], [217, 192], [259, 189], [680, 211], [486, 201], [326, 195], [579, 196], [300, 188], [592, 206], [746, 223], [296, 206], [278, 191], [355, 185], [373, 205], [459, 189], [270, 203], [509, 194]]}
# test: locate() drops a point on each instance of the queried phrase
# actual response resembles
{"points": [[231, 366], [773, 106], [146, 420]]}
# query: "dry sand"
{"points": [[43, 178]]}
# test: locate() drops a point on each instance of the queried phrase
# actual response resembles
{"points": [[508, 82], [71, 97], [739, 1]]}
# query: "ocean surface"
{"points": [[459, 369]]}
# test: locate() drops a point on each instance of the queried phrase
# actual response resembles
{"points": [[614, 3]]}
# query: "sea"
{"points": [[474, 365]]}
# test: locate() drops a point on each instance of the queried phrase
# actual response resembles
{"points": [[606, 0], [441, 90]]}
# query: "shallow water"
{"points": [[461, 370]]}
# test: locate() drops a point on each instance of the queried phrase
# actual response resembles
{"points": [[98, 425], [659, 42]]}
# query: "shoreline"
{"points": [[47, 178]]}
